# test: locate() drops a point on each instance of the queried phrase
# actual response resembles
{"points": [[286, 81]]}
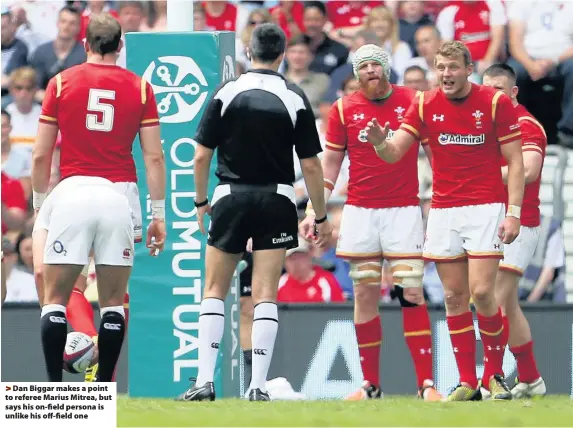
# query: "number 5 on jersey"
{"points": [[95, 104]]}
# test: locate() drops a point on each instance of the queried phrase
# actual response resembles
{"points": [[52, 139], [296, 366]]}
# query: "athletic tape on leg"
{"points": [[407, 273], [366, 273]]}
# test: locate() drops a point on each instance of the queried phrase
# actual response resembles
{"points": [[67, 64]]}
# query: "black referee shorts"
{"points": [[265, 213]]}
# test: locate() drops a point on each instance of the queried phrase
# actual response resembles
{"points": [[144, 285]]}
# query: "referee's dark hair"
{"points": [[268, 42], [497, 70], [103, 34]]}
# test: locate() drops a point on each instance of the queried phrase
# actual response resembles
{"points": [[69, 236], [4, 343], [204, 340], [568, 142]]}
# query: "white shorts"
{"points": [[83, 213], [460, 232], [375, 233], [518, 254], [128, 189]]}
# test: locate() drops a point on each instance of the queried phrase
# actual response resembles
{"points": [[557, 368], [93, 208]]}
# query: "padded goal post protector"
{"points": [[184, 69]]}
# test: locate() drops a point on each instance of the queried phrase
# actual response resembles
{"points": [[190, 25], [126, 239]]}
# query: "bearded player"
{"points": [[469, 128], [381, 220], [518, 254], [95, 152]]}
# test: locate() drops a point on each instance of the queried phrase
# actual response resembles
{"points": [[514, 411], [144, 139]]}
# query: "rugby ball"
{"points": [[78, 353]]}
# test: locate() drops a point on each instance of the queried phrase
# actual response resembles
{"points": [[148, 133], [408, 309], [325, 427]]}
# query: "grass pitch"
{"points": [[391, 411]]}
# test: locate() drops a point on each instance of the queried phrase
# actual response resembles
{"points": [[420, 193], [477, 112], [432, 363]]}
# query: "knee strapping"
{"points": [[407, 273], [366, 272]]}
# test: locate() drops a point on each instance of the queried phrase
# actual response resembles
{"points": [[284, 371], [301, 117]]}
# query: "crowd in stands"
{"points": [[42, 38]]}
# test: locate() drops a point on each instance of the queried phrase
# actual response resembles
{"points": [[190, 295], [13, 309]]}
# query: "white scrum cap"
{"points": [[371, 53]]}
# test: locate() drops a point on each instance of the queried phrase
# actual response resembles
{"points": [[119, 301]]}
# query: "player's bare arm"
{"points": [[314, 179], [154, 159], [509, 229], [390, 151], [203, 156], [331, 164], [42, 161], [428, 152], [532, 163]]}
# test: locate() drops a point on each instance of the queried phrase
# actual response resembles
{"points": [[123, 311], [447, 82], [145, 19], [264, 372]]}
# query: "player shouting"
{"points": [[518, 254], [381, 219], [469, 128], [99, 109]]}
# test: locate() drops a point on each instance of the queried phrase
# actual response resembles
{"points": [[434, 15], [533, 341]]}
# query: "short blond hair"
{"points": [[27, 74], [454, 49]]}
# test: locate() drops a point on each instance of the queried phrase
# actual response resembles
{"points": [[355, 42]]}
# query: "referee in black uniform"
{"points": [[253, 121]]}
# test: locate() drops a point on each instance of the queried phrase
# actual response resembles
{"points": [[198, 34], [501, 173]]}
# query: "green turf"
{"points": [[391, 411]]}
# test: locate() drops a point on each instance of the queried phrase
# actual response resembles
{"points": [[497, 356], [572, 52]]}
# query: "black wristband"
{"points": [[320, 220], [202, 204]]}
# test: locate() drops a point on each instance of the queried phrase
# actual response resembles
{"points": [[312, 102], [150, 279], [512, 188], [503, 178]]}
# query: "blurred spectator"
{"points": [[340, 75], [480, 25], [93, 8], [428, 42], [303, 282], [415, 78], [199, 19], [156, 16], [131, 15], [289, 15], [544, 278], [40, 17], [412, 17], [16, 161], [328, 54], [385, 25], [20, 284], [341, 267], [24, 110], [256, 17], [298, 58], [66, 51], [220, 15], [24, 29], [14, 204], [14, 50], [541, 45], [348, 17]]}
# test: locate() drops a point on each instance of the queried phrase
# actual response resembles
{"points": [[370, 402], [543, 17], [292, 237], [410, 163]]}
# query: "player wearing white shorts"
{"points": [[99, 108], [469, 128], [518, 254], [381, 220]]}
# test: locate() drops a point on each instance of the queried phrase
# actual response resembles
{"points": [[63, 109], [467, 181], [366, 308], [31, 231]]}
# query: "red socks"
{"points": [[418, 335], [80, 314], [462, 335], [492, 337], [369, 337], [526, 366]]}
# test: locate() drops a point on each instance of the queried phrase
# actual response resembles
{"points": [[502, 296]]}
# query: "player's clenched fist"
{"points": [[509, 229], [156, 234], [375, 133]]}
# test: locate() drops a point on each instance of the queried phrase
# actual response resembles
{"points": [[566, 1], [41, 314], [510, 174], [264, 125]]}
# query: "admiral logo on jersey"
{"points": [[464, 140]]}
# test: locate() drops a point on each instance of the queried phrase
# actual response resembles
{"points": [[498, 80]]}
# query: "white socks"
{"points": [[211, 327], [265, 327]]}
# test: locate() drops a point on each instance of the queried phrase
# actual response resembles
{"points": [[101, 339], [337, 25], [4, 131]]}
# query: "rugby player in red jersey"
{"points": [[381, 219], [469, 128], [518, 254], [99, 108]]}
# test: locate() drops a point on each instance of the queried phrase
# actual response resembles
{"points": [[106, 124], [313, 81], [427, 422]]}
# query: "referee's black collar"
{"points": [[269, 72]]}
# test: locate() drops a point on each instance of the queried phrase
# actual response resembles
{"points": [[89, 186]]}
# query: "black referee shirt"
{"points": [[254, 121]]}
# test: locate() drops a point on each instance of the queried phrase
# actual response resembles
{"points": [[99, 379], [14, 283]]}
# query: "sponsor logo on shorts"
{"points": [[259, 351], [463, 140], [284, 238], [127, 253]]}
